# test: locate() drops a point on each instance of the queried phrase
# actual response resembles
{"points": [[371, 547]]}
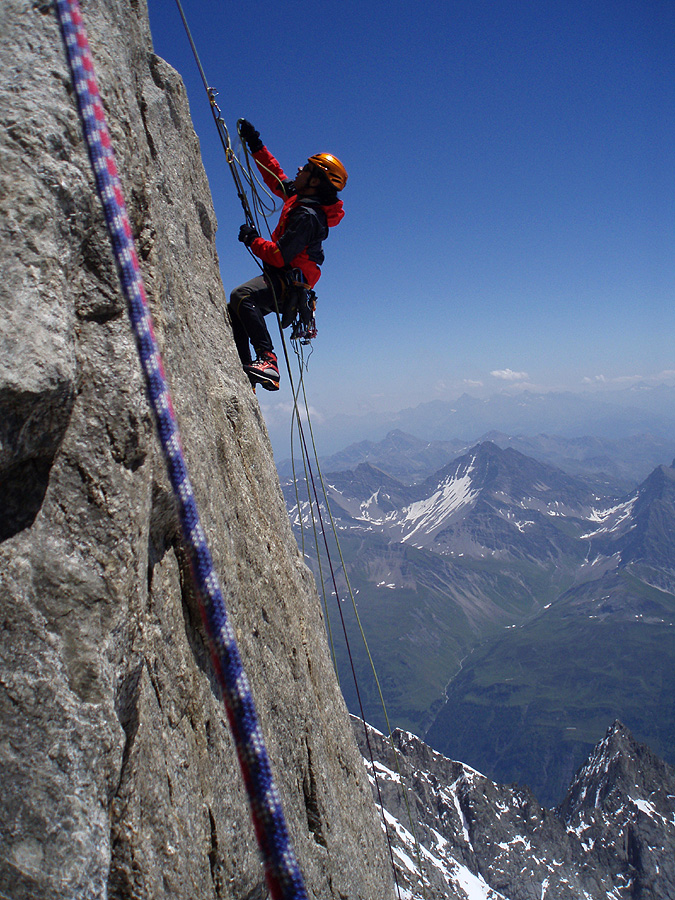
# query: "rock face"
{"points": [[612, 837], [119, 778]]}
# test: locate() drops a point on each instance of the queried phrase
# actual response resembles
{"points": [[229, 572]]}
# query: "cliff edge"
{"points": [[119, 778]]}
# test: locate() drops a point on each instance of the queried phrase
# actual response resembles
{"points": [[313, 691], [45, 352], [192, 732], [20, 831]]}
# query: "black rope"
{"points": [[348, 646], [223, 132]]}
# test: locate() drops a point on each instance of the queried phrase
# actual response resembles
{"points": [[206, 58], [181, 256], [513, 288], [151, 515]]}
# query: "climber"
{"points": [[311, 207]]}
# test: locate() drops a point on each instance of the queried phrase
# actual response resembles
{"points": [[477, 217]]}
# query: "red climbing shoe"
{"points": [[265, 371]]}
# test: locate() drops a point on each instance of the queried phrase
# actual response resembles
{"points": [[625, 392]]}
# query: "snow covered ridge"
{"points": [[470, 839]]}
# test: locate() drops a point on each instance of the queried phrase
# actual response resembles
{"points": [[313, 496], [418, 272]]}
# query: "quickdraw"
{"points": [[299, 306], [304, 327]]}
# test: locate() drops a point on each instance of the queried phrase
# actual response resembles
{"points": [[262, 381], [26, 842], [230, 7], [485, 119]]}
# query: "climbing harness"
{"points": [[298, 302], [282, 871]]}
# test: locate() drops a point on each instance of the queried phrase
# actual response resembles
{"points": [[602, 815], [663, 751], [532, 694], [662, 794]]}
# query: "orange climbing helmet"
{"points": [[332, 167]]}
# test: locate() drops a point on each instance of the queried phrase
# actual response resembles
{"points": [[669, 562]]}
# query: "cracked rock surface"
{"points": [[119, 778]]}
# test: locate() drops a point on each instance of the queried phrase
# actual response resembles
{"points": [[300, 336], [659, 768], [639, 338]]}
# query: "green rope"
{"points": [[252, 219]]}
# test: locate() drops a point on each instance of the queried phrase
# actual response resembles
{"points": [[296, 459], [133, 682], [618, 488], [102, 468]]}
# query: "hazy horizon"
{"points": [[634, 407]]}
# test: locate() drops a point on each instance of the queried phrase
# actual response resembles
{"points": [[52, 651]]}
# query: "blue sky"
{"points": [[510, 207]]}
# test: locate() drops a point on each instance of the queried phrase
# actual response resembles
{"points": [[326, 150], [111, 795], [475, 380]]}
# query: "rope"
{"points": [[309, 476], [350, 591], [282, 872], [349, 651], [224, 135], [316, 537]]}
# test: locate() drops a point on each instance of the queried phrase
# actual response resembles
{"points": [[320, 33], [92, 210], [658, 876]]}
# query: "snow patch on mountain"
{"points": [[610, 519], [428, 514]]}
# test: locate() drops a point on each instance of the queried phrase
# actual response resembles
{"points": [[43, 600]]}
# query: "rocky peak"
{"points": [[368, 478], [615, 766], [621, 804], [614, 837], [648, 536], [659, 485]]}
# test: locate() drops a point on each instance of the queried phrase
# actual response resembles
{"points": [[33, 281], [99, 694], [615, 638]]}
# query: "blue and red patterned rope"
{"points": [[283, 874]]}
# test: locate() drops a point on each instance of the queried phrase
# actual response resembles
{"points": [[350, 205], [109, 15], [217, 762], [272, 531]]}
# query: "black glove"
{"points": [[248, 133], [247, 234]]}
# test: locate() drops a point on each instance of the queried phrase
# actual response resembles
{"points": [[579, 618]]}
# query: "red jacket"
{"points": [[302, 226]]}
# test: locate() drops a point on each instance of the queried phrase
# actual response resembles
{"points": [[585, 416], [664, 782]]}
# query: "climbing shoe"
{"points": [[265, 371]]}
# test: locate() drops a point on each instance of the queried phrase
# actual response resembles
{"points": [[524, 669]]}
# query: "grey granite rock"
{"points": [[119, 778]]}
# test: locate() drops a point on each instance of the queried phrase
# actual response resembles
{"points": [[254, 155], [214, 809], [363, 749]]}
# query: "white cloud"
{"points": [[282, 412], [468, 382], [664, 377], [509, 375]]}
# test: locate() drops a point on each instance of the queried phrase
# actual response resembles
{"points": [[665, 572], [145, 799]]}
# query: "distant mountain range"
{"points": [[512, 609], [622, 463], [604, 648], [611, 838], [488, 501], [612, 415]]}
